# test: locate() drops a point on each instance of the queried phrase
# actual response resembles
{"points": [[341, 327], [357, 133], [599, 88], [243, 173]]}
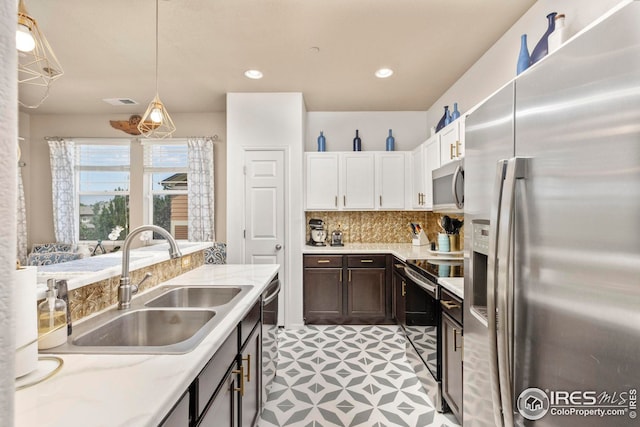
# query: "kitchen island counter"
{"points": [[135, 389]]}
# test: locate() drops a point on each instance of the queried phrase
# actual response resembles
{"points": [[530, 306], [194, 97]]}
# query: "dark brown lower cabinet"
{"points": [[399, 293], [249, 408], [452, 348], [221, 412], [347, 289]]}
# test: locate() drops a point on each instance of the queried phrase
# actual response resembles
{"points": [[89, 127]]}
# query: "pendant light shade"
{"points": [[156, 122], [38, 66]]}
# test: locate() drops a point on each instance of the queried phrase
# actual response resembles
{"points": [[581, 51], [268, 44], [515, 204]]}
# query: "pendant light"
{"points": [[38, 66], [156, 122]]}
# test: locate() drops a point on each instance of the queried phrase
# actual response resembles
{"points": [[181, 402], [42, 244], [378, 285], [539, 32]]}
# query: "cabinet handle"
{"points": [[366, 260], [248, 359], [341, 276], [241, 372], [450, 151], [457, 148], [380, 200], [344, 200], [404, 288], [422, 198], [419, 199], [336, 201], [449, 305], [349, 276], [324, 261], [455, 341]]}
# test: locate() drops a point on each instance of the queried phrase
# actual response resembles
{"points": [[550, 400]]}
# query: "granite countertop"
{"points": [[133, 389], [84, 271], [402, 251]]}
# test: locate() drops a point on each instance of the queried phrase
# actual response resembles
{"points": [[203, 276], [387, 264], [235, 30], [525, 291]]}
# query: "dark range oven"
{"points": [[423, 317]]}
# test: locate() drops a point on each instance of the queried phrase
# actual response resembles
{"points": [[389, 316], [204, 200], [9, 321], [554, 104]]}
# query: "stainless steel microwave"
{"points": [[448, 187]]}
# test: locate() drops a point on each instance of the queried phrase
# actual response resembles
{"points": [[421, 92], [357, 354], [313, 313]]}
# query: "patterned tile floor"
{"points": [[347, 376]]}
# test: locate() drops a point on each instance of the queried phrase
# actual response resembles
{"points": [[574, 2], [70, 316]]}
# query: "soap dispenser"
{"points": [[52, 319]]}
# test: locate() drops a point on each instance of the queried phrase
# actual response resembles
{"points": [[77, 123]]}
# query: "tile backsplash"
{"points": [[380, 226]]}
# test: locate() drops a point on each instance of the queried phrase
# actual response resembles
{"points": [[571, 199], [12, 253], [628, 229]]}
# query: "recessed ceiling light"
{"points": [[383, 73], [253, 74]]}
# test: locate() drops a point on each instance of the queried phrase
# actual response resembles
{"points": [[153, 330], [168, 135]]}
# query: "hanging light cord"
{"points": [[156, 47]]}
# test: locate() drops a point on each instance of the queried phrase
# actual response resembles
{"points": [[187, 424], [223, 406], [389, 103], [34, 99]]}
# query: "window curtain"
{"points": [[62, 157], [200, 190], [22, 222]]}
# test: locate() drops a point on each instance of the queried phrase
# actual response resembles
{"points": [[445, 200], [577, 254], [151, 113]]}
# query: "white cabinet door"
{"points": [[432, 161], [321, 186], [450, 143], [390, 180], [417, 177], [357, 180]]}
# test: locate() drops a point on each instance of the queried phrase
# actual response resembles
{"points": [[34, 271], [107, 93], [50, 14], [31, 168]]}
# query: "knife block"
{"points": [[420, 239]]}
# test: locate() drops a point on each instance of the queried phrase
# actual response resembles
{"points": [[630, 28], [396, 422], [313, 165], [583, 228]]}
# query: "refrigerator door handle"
{"points": [[492, 277], [515, 170], [454, 187]]}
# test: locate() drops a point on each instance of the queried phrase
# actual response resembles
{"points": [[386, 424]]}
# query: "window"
{"points": [[165, 177], [102, 179]]}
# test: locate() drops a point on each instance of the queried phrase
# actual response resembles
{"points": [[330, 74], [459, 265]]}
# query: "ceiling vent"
{"points": [[120, 101]]}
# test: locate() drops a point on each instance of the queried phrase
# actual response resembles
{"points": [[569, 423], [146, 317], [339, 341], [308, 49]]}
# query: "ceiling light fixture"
{"points": [[37, 64], [156, 122], [383, 73], [253, 74]]}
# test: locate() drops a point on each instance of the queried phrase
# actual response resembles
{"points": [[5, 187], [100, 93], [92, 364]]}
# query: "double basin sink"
{"points": [[166, 320]]}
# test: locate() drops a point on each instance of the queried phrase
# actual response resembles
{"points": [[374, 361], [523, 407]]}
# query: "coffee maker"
{"points": [[317, 233]]}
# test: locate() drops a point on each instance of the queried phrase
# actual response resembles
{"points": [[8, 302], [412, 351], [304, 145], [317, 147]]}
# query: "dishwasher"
{"points": [[269, 335]]}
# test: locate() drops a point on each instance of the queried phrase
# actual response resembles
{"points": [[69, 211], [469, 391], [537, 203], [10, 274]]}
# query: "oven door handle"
{"points": [[274, 294], [432, 288]]}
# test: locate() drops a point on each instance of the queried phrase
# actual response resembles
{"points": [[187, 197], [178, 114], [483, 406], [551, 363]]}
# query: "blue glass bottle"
{"points": [[441, 123], [455, 114], [322, 142], [391, 142], [357, 142], [542, 48], [523, 57]]}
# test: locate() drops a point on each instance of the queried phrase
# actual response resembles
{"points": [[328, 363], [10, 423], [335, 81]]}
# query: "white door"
{"points": [[264, 208]]}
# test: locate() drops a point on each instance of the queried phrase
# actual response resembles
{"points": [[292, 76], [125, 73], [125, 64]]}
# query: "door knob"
{"points": [[278, 247]]}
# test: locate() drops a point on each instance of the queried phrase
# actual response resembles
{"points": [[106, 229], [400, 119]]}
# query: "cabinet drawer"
{"points": [[323, 261], [214, 372], [366, 261], [249, 322], [451, 305]]}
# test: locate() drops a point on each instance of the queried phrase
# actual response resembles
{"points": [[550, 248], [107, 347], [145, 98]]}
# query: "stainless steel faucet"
{"points": [[126, 290]]}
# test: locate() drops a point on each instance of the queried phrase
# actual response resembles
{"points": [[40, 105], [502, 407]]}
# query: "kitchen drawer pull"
{"points": [[449, 305], [404, 288], [366, 260], [248, 375], [241, 372], [324, 261]]}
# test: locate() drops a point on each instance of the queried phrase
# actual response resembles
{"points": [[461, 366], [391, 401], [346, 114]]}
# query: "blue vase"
{"points": [[523, 57], [447, 118], [455, 114], [542, 48], [357, 142], [322, 142], [391, 142], [442, 123]]}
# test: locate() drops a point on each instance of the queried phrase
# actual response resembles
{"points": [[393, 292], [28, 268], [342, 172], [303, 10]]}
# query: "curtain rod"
{"points": [[214, 138]]}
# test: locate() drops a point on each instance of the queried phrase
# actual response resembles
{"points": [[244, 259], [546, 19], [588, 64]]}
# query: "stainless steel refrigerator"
{"points": [[552, 239]]}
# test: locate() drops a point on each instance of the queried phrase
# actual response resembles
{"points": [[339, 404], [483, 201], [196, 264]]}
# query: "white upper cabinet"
{"points": [[321, 186], [432, 161], [391, 180], [357, 180], [452, 141], [417, 178]]}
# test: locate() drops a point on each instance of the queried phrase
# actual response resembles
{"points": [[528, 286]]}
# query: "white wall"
{"points": [[409, 129], [37, 172], [270, 120], [8, 174], [498, 65]]}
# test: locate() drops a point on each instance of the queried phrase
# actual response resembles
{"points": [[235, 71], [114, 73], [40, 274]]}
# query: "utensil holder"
{"points": [[443, 242], [454, 242]]}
